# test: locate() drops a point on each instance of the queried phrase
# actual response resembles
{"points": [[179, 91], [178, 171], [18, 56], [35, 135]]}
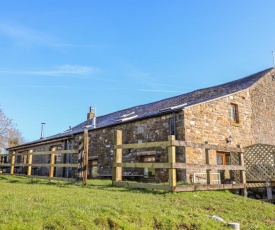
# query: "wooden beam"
{"points": [[210, 167], [179, 166], [242, 174], [49, 165], [12, 163], [208, 171], [143, 145], [201, 187], [142, 185], [29, 164], [117, 171], [52, 162], [72, 151], [143, 165], [172, 160], [85, 157], [179, 143], [5, 164]]}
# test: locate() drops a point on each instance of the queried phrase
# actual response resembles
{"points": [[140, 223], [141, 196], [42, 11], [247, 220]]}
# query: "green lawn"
{"points": [[39, 204]]}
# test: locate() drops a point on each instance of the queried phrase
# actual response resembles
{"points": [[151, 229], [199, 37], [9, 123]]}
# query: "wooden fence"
{"points": [[81, 165], [172, 165]]}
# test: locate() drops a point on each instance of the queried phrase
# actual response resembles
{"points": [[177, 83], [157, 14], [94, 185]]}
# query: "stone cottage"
{"points": [[241, 112]]}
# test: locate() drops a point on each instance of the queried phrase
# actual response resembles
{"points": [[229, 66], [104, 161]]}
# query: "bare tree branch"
{"points": [[9, 135]]}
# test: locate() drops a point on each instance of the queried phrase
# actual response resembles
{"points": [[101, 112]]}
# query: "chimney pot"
{"points": [[91, 114]]}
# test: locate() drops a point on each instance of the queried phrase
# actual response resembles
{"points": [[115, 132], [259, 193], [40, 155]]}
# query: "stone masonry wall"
{"points": [[101, 147], [147, 130], [263, 109], [211, 122], [44, 171]]}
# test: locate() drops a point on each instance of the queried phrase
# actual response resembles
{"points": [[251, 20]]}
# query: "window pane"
{"points": [[233, 113], [227, 159], [219, 159], [94, 171]]}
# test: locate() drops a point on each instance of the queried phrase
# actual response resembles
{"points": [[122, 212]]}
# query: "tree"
{"points": [[9, 135]]}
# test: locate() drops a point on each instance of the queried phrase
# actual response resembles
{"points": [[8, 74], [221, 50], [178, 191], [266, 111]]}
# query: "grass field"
{"points": [[39, 204]]}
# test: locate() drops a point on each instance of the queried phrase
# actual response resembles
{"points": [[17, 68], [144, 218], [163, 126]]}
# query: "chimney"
{"points": [[91, 114]]}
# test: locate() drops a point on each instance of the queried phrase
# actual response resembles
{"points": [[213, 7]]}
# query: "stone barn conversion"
{"points": [[237, 113]]}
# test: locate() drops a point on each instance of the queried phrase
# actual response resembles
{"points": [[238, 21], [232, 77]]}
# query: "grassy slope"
{"points": [[36, 204]]}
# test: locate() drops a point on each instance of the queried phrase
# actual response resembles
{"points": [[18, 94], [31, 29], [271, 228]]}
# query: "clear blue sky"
{"points": [[57, 58]]}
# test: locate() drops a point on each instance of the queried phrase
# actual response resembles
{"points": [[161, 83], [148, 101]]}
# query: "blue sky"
{"points": [[58, 58]]}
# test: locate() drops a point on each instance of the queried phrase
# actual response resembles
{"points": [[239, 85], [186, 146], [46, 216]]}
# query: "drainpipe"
{"points": [[94, 122], [42, 130]]}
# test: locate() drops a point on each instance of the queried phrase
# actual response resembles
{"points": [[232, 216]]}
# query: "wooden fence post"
{"points": [[117, 171], [12, 163], [207, 161], [171, 160], [85, 158], [30, 162], [52, 161], [242, 174]]}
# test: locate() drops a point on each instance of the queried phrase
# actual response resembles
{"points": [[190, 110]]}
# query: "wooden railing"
{"points": [[30, 164], [81, 165], [172, 165]]}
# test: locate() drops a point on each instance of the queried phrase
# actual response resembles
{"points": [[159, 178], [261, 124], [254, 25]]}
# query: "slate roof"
{"points": [[167, 105]]}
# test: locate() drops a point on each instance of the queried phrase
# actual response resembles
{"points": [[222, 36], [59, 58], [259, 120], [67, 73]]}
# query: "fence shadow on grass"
{"points": [[26, 180], [110, 187], [92, 184], [3, 178]]}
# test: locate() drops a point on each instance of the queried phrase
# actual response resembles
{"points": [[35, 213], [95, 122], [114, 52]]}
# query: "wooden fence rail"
{"points": [[81, 165], [172, 165]]}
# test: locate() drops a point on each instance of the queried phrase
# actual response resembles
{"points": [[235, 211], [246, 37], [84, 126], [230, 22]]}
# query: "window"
{"points": [[18, 160], [149, 172], [172, 126], [234, 113], [93, 169], [4, 159], [223, 158]]}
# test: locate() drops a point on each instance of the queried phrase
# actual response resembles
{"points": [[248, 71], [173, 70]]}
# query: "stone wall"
{"points": [[263, 109], [44, 171], [147, 130], [101, 147], [211, 122]]}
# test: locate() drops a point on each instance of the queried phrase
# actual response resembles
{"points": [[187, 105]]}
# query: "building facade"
{"points": [[237, 113]]}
